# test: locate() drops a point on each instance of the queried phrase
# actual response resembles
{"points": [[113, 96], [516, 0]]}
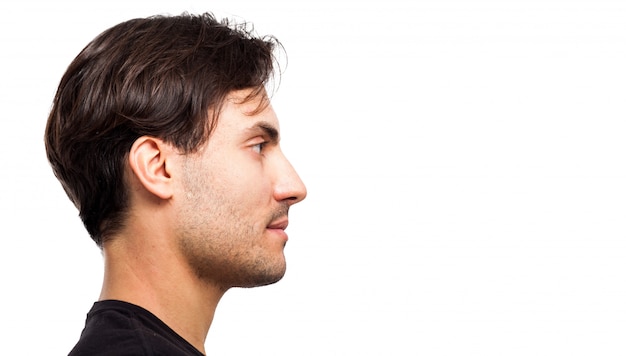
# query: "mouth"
{"points": [[279, 224], [277, 228]]}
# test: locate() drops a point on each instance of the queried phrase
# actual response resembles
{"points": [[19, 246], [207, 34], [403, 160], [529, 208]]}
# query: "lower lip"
{"points": [[279, 232]]}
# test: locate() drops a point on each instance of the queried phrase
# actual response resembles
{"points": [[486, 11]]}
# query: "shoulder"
{"points": [[120, 328]]}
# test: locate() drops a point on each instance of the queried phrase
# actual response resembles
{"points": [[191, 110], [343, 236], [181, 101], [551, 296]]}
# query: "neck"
{"points": [[157, 279]]}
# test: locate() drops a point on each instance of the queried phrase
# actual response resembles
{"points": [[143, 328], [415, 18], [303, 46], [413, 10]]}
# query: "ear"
{"points": [[148, 159]]}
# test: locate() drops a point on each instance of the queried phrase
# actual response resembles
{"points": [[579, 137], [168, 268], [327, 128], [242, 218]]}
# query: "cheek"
{"points": [[232, 192], [251, 183]]}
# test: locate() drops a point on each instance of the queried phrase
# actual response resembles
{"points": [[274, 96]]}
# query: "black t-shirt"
{"points": [[119, 328]]}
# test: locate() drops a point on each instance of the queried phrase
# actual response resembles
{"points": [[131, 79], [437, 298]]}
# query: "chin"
{"points": [[264, 279], [260, 284]]}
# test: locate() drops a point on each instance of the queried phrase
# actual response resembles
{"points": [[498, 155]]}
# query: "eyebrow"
{"points": [[268, 129]]}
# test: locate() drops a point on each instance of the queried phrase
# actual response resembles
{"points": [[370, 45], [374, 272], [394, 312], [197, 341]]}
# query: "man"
{"points": [[163, 136]]}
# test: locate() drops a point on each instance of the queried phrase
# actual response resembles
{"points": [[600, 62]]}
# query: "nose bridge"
{"points": [[288, 186]]}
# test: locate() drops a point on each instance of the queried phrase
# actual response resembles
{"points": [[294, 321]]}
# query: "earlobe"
{"points": [[148, 158]]}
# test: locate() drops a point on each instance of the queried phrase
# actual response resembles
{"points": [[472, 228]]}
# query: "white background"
{"points": [[465, 162]]}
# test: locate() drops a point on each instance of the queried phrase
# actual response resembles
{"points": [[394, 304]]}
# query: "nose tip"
{"points": [[301, 191], [290, 187], [293, 192]]}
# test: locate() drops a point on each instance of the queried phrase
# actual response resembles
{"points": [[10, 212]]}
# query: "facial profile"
{"points": [[235, 195]]}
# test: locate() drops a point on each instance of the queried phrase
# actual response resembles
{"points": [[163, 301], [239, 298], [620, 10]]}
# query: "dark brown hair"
{"points": [[159, 76]]}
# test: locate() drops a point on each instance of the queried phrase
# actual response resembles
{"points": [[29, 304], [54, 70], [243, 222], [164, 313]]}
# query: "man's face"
{"points": [[234, 197]]}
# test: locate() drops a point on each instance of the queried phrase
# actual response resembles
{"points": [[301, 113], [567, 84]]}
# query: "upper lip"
{"points": [[280, 223]]}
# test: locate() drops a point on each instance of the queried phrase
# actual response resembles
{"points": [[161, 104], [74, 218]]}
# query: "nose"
{"points": [[288, 187]]}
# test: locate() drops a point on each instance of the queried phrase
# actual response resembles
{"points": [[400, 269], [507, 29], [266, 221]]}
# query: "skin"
{"points": [[204, 222]]}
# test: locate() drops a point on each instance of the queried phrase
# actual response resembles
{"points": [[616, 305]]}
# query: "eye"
{"points": [[258, 148]]}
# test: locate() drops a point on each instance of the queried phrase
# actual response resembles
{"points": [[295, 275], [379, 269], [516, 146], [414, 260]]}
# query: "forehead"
{"points": [[241, 111], [241, 118]]}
